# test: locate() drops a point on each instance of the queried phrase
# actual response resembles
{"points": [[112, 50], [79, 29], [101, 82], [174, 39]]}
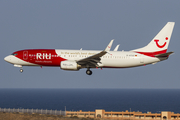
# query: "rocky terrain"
{"points": [[25, 116]]}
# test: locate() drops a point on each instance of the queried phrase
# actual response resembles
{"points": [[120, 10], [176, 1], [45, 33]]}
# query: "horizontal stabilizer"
{"points": [[164, 54]]}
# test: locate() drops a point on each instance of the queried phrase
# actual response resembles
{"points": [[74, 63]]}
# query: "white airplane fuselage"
{"points": [[112, 59], [117, 59], [154, 52]]}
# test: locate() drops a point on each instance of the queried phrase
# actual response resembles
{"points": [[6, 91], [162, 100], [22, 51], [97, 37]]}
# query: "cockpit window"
{"points": [[14, 54]]}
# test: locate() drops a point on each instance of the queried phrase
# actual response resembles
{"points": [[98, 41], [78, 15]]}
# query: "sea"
{"points": [[143, 100]]}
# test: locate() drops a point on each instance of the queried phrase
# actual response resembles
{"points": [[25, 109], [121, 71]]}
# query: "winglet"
{"points": [[116, 48], [108, 48]]}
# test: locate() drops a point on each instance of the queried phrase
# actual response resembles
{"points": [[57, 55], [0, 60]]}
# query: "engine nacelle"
{"points": [[70, 65]]}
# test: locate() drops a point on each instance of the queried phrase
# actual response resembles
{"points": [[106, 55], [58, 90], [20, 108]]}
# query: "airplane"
{"points": [[75, 60]]}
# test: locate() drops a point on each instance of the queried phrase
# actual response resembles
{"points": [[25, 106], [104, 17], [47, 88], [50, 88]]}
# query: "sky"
{"points": [[90, 25]]}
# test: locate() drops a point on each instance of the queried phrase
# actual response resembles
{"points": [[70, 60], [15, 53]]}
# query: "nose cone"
{"points": [[8, 58]]}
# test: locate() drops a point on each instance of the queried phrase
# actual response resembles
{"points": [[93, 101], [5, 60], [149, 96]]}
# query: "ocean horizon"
{"points": [[75, 99]]}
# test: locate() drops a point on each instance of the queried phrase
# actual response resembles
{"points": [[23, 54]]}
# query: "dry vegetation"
{"points": [[25, 116]]}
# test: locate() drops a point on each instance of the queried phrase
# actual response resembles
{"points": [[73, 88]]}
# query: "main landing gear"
{"points": [[88, 72]]}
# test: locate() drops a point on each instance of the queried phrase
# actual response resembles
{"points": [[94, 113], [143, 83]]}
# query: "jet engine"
{"points": [[70, 65]]}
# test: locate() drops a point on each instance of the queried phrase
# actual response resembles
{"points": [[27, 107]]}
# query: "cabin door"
{"points": [[25, 55], [142, 59]]}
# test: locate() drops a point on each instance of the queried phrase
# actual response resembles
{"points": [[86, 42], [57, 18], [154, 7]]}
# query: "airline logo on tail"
{"points": [[160, 46]]}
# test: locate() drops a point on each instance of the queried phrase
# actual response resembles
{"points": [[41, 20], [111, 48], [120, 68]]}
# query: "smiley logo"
{"points": [[160, 46]]}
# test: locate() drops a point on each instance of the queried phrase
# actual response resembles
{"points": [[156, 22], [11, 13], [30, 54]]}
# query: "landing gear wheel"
{"points": [[88, 72], [21, 70]]}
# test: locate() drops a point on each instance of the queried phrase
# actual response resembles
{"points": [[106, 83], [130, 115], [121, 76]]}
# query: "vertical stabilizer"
{"points": [[160, 42]]}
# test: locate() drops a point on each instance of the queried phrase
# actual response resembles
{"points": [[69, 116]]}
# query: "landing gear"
{"points": [[21, 70], [88, 72]]}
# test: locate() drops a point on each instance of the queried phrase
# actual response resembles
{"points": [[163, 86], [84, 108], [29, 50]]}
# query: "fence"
{"points": [[31, 111]]}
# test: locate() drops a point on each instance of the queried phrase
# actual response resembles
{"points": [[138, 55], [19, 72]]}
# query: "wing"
{"points": [[94, 60]]}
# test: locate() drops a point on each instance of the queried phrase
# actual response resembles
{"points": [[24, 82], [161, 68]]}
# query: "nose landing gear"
{"points": [[21, 70], [20, 66]]}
